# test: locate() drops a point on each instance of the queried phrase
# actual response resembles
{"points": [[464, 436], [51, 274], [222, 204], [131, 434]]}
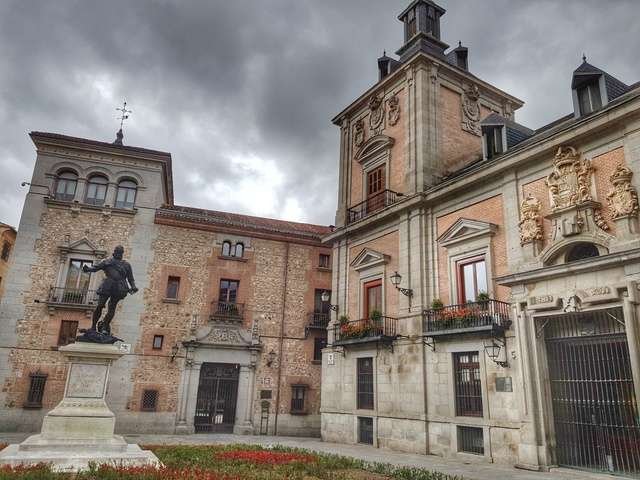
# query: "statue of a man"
{"points": [[115, 287]]}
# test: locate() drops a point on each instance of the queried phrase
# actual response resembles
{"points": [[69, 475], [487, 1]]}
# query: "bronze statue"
{"points": [[115, 287]]}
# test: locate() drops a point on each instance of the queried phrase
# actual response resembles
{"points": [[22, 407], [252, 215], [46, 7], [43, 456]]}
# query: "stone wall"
{"points": [[8, 236]]}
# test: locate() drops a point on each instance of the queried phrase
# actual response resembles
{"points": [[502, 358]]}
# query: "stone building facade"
{"points": [[226, 331], [483, 270], [7, 240]]}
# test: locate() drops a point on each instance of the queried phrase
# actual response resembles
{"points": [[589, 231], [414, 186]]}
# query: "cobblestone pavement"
{"points": [[469, 470]]}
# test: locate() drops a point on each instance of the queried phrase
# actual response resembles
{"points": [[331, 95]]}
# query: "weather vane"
{"points": [[124, 114]]}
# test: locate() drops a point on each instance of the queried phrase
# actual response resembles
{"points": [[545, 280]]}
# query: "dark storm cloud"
{"points": [[242, 92]]}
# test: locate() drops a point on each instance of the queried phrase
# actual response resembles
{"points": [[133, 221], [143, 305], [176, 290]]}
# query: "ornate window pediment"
{"points": [[368, 258], [465, 229], [82, 246], [374, 147]]}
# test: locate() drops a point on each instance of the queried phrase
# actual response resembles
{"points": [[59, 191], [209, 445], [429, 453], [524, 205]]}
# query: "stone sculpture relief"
{"points": [[570, 181], [394, 110], [358, 133], [376, 115], [622, 198], [530, 222], [471, 110]]}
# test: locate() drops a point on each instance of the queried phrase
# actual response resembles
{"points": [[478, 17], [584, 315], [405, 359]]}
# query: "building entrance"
{"points": [[217, 396]]}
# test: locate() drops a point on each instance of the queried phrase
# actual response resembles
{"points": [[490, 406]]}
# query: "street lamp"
{"points": [[493, 352], [396, 278], [326, 297]]}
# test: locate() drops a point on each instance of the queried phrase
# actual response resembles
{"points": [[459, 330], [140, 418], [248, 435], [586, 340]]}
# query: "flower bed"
{"points": [[266, 457]]}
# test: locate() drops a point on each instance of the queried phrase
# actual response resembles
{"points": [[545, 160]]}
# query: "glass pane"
{"points": [[594, 93], [481, 277], [226, 247], [239, 250], [469, 284], [85, 277], [374, 299], [73, 274], [583, 100]]}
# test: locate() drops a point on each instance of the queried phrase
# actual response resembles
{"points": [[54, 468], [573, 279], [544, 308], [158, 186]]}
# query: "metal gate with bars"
{"points": [[217, 394], [592, 392]]}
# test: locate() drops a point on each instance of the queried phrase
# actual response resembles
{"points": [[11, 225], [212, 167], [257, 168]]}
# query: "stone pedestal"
{"points": [[80, 429]]}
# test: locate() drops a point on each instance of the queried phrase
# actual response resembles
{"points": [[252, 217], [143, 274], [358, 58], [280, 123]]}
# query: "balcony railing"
{"points": [[72, 296], [227, 311], [372, 204], [365, 330], [485, 315], [319, 320]]}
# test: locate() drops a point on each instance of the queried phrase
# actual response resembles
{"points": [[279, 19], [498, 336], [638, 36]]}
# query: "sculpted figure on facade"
{"points": [[471, 110], [376, 115], [358, 133], [622, 198], [530, 222], [394, 110], [570, 181]]}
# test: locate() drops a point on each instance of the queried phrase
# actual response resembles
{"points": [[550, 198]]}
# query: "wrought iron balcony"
{"points": [[318, 320], [484, 316], [365, 330], [72, 297], [371, 205], [227, 311]]}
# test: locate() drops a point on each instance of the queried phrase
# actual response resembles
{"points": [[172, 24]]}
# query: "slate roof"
{"points": [[586, 71], [516, 132], [260, 224]]}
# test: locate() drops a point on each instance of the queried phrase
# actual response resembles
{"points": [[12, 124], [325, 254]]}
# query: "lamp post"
{"points": [[326, 297], [396, 278]]}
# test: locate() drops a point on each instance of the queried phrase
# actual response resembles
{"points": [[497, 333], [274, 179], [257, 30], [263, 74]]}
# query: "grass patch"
{"points": [[237, 462]]}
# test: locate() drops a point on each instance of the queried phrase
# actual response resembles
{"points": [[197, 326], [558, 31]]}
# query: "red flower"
{"points": [[266, 457]]}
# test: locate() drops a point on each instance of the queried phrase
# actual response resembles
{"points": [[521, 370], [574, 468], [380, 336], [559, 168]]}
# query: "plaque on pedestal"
{"points": [[79, 430]]}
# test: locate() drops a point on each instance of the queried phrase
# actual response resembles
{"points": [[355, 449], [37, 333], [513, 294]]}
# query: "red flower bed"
{"points": [[165, 473], [266, 457]]}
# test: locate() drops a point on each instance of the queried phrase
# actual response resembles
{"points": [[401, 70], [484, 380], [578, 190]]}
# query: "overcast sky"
{"points": [[242, 92]]}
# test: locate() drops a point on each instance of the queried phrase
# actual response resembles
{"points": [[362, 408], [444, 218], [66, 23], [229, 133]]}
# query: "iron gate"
{"points": [[592, 391], [217, 394]]}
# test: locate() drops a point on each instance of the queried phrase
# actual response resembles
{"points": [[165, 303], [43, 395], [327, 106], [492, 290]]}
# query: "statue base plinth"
{"points": [[79, 430]]}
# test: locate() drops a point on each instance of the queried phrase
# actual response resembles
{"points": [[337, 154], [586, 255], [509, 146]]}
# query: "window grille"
{"points": [[298, 393], [365, 430], [471, 440], [468, 387], [68, 332], [365, 383], [149, 401], [37, 382]]}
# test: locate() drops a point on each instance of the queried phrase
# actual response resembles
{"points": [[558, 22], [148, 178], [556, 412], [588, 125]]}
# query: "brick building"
{"points": [[226, 331], [7, 239], [485, 275]]}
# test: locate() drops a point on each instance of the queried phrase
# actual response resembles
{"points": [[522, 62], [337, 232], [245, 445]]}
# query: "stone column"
{"points": [[182, 426], [192, 396], [243, 425], [629, 308]]}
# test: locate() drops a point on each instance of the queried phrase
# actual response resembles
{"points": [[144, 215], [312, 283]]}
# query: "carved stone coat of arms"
{"points": [[622, 198], [530, 222], [471, 111], [570, 181]]}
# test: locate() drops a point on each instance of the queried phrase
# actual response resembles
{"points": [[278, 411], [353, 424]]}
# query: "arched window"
{"points": [[239, 250], [96, 190], [226, 249], [66, 186], [126, 197], [582, 250]]}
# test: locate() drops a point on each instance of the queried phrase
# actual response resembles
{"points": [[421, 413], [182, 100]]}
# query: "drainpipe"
{"points": [[284, 309]]}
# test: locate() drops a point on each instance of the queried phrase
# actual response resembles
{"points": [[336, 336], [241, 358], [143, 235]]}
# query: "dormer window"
{"points": [[589, 98], [411, 24], [493, 141]]}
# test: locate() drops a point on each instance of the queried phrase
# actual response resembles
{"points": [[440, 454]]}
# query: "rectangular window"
{"points": [[158, 340], [365, 383], [149, 401], [411, 24], [228, 291], [472, 279], [468, 387], [375, 181], [298, 393], [318, 344], [365, 430], [68, 332], [493, 136], [37, 382], [77, 280], [6, 250], [589, 98], [318, 305], [265, 394], [324, 261], [372, 297], [173, 287], [470, 440]]}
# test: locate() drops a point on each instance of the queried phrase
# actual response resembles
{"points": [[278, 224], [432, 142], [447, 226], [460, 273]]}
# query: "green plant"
{"points": [[437, 304], [483, 297], [375, 315], [343, 319]]}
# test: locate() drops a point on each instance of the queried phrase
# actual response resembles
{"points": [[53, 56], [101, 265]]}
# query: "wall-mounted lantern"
{"points": [[396, 278], [326, 297]]}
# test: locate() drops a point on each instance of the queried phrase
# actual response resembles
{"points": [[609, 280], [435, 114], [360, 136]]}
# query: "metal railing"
{"points": [[365, 329], [227, 311], [372, 204], [319, 320], [71, 296], [485, 313]]}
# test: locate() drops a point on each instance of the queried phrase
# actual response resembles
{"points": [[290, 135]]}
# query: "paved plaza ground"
{"points": [[471, 471]]}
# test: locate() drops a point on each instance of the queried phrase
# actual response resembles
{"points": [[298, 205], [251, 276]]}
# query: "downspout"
{"points": [[284, 309]]}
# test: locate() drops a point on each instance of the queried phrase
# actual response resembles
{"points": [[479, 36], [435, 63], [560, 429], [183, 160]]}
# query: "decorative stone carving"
{"points": [[376, 114], [394, 110], [592, 292], [471, 110], [600, 222], [622, 198], [224, 335], [570, 181], [530, 222], [358, 133]]}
